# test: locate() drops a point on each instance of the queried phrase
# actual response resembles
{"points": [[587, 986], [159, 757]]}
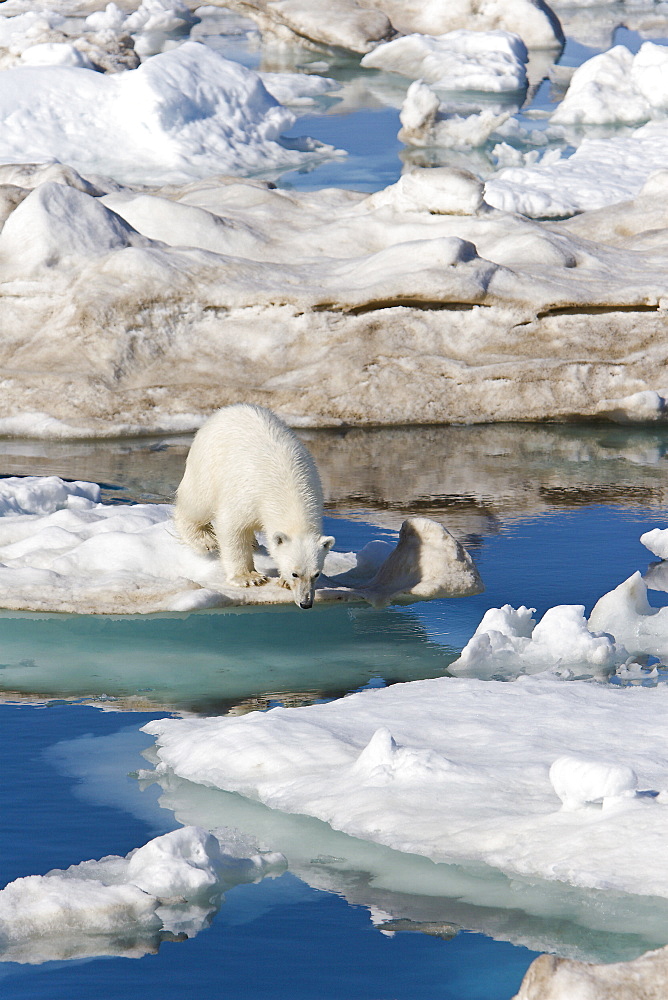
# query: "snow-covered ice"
{"points": [[458, 770], [63, 550], [492, 61], [183, 114], [169, 889]]}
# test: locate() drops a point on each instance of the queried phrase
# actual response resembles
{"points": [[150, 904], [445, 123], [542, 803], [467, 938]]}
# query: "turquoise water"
{"points": [[551, 515]]}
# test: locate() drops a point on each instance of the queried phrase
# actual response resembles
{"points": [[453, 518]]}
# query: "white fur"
{"points": [[247, 471]]}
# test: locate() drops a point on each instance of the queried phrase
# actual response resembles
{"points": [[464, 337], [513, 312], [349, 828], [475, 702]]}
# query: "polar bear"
{"points": [[247, 471]]}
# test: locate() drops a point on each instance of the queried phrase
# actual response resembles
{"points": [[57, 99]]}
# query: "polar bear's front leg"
{"points": [[236, 552]]}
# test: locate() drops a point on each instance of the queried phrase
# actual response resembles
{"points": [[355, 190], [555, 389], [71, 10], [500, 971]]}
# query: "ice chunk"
{"points": [[125, 905], [492, 61], [616, 87], [507, 643], [552, 978], [424, 124], [656, 541], [626, 610]]}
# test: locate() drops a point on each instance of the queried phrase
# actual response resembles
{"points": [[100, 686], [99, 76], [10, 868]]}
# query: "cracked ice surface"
{"points": [[62, 550]]}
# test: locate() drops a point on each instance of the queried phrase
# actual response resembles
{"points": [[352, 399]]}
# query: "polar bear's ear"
{"points": [[280, 538], [327, 541]]}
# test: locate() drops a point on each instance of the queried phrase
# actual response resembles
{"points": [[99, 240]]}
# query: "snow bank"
{"points": [[492, 61], [61, 550], [458, 770], [186, 113], [169, 889], [508, 643]]}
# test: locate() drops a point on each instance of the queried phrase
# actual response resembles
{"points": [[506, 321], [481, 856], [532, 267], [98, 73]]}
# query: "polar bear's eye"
{"points": [[316, 575], [295, 576]]}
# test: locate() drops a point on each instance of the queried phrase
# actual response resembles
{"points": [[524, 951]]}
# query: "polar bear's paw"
{"points": [[252, 579], [283, 583]]}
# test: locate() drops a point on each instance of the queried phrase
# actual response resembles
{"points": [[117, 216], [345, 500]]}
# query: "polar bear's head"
{"points": [[300, 560]]}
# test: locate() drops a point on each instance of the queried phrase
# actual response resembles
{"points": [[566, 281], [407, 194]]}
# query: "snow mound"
{"points": [[171, 886], [62, 550], [579, 782]]}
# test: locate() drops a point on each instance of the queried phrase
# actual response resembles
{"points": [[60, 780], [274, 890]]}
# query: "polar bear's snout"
{"points": [[300, 561]]}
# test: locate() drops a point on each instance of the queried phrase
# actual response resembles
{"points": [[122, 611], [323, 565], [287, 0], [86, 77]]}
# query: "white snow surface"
{"points": [[492, 61], [183, 114], [458, 770], [117, 905], [62, 550]]}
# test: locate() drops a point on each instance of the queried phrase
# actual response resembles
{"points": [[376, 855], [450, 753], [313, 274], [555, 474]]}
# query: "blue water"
{"points": [[70, 792]]}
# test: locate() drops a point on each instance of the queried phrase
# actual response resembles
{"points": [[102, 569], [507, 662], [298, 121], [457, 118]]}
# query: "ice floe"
{"points": [[491, 61], [416, 304], [169, 889], [458, 770], [62, 550], [183, 114]]}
